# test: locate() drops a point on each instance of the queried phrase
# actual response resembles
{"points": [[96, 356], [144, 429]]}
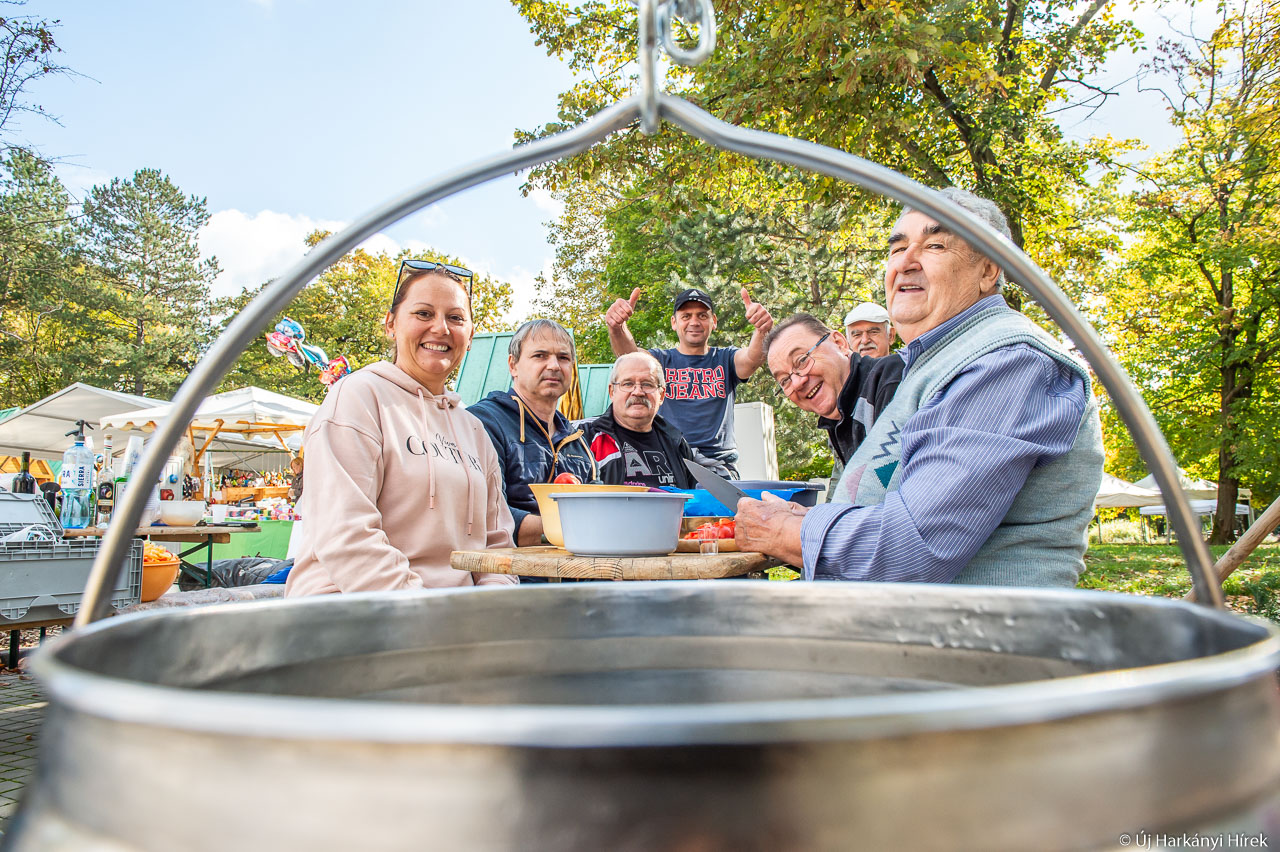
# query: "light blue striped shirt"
{"points": [[965, 455]]}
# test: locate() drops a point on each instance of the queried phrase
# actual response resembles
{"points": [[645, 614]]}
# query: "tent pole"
{"points": [[216, 429]]}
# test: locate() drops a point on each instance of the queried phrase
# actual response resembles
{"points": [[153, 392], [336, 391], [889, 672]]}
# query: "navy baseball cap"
{"points": [[693, 294]]}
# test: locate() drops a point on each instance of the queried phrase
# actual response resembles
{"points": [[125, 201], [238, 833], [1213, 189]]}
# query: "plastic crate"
{"points": [[18, 511], [45, 580]]}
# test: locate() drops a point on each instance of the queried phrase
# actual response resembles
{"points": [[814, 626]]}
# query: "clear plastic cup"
{"points": [[709, 545]]}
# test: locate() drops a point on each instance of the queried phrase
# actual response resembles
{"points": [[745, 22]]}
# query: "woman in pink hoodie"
{"points": [[399, 475]]}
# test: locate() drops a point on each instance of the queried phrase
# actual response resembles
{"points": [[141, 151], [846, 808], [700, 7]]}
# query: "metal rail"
{"points": [[277, 295]]}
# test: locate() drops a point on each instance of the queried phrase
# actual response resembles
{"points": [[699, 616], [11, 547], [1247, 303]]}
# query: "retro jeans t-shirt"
{"points": [[700, 396]]}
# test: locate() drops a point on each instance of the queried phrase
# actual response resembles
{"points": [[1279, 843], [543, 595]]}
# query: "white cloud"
{"points": [[524, 289], [545, 201], [253, 248]]}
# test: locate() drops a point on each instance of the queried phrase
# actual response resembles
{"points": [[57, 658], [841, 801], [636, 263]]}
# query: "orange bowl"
{"points": [[157, 577]]}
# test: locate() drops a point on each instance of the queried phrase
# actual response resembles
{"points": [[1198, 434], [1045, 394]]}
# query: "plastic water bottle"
{"points": [[76, 480]]}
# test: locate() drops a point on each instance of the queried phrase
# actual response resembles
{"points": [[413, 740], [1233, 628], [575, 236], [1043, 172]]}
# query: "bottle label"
{"points": [[76, 476]]}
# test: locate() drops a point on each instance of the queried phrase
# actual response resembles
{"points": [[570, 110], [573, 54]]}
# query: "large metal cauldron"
{"points": [[666, 716], [701, 716]]}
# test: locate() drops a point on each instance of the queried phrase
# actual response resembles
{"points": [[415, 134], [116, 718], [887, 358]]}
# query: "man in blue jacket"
{"points": [[534, 441]]}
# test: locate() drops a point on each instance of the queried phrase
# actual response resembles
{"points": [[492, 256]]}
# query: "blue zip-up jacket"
{"points": [[525, 451]]}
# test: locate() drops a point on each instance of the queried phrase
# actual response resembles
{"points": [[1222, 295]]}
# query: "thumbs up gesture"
{"points": [[757, 314], [622, 309]]}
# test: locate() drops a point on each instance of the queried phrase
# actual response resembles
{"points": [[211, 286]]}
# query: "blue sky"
{"points": [[292, 114], [287, 114]]}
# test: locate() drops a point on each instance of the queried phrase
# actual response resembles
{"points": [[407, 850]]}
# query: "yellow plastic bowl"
{"points": [[550, 510], [157, 577]]}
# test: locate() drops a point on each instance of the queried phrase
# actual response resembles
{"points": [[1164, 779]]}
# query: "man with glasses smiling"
{"points": [[631, 443], [818, 372]]}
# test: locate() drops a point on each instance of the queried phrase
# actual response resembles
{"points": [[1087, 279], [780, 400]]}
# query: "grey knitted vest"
{"points": [[1043, 537]]}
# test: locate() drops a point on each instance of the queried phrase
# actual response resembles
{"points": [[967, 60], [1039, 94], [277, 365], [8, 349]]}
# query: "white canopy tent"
{"points": [[40, 428], [269, 420], [1115, 493], [1196, 489], [1200, 507]]}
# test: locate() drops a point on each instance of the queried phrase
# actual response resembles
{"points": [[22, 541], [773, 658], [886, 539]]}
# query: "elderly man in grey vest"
{"points": [[984, 467]]}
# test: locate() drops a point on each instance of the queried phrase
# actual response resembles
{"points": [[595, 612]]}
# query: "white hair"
{"points": [[981, 208]]}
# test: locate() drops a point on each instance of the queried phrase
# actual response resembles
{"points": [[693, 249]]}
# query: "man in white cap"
{"points": [[868, 331]]}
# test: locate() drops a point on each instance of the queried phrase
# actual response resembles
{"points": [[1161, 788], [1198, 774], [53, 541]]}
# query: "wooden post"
{"points": [[1239, 552]]}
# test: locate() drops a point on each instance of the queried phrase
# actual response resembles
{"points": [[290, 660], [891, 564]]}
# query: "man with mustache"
{"points": [[984, 467], [868, 330], [631, 442], [534, 441]]}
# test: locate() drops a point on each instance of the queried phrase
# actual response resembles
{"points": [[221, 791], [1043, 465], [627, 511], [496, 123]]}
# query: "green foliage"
{"points": [[1147, 569], [43, 304], [341, 312], [1194, 311], [152, 286], [950, 95]]}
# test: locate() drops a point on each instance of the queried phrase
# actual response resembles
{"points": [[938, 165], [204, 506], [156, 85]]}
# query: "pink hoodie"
{"points": [[397, 479]]}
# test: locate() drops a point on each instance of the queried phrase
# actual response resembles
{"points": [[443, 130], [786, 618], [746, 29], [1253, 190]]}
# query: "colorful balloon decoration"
{"points": [[287, 341]]}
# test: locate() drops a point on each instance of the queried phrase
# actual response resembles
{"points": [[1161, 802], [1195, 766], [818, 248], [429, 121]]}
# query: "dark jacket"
{"points": [[525, 451], [602, 435], [868, 390]]}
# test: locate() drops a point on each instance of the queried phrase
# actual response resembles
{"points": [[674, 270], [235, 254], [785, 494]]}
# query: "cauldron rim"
{"points": [[289, 717]]}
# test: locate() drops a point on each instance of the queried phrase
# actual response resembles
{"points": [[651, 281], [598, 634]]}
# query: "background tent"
{"points": [[256, 417], [41, 427], [1115, 493], [1200, 507], [1196, 489]]}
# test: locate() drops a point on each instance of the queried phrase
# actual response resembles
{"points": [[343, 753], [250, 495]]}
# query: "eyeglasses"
{"points": [[427, 266], [630, 386], [802, 365]]}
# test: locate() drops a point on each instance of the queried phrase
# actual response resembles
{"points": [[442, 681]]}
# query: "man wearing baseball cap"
{"points": [[700, 378], [868, 330]]}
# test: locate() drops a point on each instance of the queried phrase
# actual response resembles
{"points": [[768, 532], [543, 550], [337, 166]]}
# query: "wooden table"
{"points": [[203, 537], [558, 563]]}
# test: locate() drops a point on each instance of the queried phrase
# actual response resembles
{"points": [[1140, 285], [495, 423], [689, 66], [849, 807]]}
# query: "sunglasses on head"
{"points": [[427, 266]]}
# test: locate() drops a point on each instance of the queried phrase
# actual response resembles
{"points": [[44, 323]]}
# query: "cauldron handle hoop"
{"points": [[277, 295]]}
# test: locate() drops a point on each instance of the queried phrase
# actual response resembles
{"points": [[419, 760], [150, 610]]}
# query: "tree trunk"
{"points": [[1224, 519], [138, 339]]}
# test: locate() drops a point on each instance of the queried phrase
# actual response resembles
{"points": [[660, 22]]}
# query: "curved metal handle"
{"points": [[754, 143]]}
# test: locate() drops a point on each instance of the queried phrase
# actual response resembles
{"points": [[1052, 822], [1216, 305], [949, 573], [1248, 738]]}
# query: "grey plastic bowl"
{"points": [[620, 524]]}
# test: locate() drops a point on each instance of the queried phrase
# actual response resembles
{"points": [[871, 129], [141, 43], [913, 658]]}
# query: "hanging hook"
{"points": [[686, 9], [656, 22], [648, 67]]}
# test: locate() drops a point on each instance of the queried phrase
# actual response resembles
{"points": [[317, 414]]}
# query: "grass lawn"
{"points": [[1158, 569]]}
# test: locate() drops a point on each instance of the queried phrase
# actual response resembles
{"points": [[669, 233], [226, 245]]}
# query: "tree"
{"points": [[29, 52], [1196, 308], [951, 95], [43, 313], [140, 236], [341, 312]]}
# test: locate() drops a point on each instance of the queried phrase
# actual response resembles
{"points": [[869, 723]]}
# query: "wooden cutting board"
{"points": [[557, 562]]}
